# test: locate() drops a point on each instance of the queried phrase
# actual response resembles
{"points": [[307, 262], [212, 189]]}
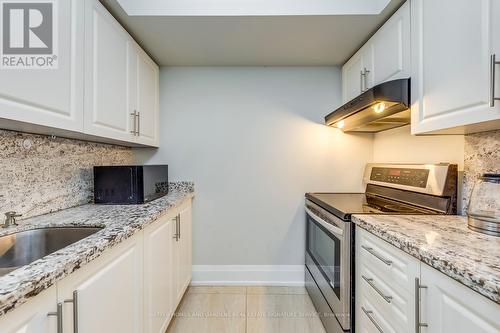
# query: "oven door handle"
{"points": [[333, 229]]}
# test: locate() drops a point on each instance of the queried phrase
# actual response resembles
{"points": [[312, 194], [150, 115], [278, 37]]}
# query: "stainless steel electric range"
{"points": [[390, 189]]}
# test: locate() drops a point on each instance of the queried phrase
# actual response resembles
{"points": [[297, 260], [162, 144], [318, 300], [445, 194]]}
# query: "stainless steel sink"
{"points": [[24, 247]]}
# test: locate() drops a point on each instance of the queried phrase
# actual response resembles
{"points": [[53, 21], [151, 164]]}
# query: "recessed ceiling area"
{"points": [[226, 35]]}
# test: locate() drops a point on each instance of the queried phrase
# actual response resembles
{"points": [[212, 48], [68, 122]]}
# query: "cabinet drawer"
{"points": [[393, 265], [395, 304], [370, 317]]}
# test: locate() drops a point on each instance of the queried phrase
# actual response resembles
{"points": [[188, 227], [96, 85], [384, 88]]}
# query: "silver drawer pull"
{"points": [[74, 301], [376, 255], [418, 324], [369, 314], [59, 315], [372, 284], [493, 64]]}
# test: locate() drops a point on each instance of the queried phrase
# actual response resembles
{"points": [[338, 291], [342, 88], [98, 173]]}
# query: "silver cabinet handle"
{"points": [[179, 218], [74, 301], [418, 324], [138, 123], [369, 314], [361, 81], [365, 77], [59, 315], [177, 233], [376, 255], [493, 64], [135, 115], [372, 284]]}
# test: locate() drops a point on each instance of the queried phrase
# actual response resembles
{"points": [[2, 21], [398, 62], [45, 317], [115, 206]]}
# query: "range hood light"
{"points": [[382, 107], [379, 107]]}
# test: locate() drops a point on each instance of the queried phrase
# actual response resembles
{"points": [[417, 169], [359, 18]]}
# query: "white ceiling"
{"points": [[233, 38]]}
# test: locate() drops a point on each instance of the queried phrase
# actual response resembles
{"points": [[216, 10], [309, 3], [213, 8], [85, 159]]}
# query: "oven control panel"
{"points": [[401, 176]]}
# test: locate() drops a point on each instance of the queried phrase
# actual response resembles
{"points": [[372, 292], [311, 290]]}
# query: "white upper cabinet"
{"points": [[107, 109], [50, 97], [391, 48], [452, 44], [356, 73], [449, 307], [105, 87], [385, 57], [144, 96]]}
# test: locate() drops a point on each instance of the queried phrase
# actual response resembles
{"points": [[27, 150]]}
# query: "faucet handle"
{"points": [[13, 214], [10, 218]]}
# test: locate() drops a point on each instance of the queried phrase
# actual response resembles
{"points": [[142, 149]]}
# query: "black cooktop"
{"points": [[343, 205]]}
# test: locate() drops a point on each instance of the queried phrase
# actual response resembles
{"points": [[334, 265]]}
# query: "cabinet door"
{"points": [[351, 77], [391, 48], [32, 317], [450, 307], [159, 293], [144, 91], [109, 292], [452, 41], [186, 246], [50, 97], [107, 110], [357, 73]]}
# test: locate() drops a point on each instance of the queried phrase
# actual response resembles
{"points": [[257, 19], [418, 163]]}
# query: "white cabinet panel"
{"points": [[186, 246], [50, 97], [391, 48], [452, 41], [109, 292], [385, 57], [183, 251], [385, 281], [449, 307], [32, 316], [159, 293], [107, 110], [357, 73], [351, 77], [144, 95]]}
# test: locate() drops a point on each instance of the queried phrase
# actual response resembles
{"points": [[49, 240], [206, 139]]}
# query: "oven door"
{"points": [[328, 259]]}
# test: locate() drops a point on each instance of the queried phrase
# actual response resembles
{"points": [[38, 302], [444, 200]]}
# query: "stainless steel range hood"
{"points": [[380, 108]]}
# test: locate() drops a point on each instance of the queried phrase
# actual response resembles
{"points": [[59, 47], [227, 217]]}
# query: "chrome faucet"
{"points": [[10, 219]]}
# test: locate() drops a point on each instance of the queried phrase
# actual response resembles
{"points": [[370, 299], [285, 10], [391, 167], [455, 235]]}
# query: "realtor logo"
{"points": [[28, 34]]}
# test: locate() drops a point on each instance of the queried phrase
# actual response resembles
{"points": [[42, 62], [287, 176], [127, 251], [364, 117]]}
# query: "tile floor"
{"points": [[246, 310]]}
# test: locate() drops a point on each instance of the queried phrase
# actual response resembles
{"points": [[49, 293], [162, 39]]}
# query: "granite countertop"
{"points": [[119, 222], [444, 243]]}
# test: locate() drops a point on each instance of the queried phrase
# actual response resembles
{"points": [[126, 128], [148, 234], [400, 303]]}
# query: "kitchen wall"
{"points": [[482, 155], [42, 174], [253, 142]]}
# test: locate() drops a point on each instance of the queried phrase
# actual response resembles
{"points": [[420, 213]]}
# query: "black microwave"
{"points": [[129, 184]]}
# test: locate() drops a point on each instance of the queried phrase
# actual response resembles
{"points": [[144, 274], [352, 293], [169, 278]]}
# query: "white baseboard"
{"points": [[248, 275]]}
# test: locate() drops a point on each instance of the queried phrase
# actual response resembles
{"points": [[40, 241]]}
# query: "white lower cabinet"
{"points": [[167, 266], [184, 251], [448, 306], [106, 295], [134, 287], [159, 269], [386, 292], [36, 316]]}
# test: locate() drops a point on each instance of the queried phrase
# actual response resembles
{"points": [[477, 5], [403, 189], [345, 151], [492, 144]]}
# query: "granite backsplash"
{"points": [[481, 155], [41, 174]]}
